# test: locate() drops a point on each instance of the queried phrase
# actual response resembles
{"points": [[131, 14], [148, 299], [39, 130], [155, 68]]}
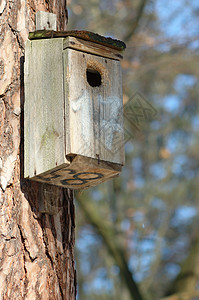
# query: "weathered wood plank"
{"points": [[73, 115], [94, 117], [91, 47], [44, 106], [82, 34], [28, 60], [83, 172], [49, 199], [46, 20]]}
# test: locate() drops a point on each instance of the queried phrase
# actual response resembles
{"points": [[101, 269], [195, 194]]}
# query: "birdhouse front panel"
{"points": [[93, 95], [73, 135]]}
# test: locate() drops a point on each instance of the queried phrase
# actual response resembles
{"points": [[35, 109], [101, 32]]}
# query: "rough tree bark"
{"points": [[36, 250]]}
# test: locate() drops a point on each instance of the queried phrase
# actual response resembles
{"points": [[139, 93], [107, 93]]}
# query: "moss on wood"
{"points": [[85, 35]]}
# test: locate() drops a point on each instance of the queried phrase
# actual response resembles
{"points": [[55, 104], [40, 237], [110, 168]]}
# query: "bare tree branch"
{"points": [[187, 279], [182, 296], [110, 240], [137, 20]]}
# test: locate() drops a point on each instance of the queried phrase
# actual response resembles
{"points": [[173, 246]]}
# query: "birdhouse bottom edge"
{"points": [[83, 172]]}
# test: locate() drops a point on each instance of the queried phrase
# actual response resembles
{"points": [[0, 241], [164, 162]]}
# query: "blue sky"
{"points": [[173, 14]]}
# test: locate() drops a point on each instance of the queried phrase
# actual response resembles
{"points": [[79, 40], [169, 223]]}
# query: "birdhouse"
{"points": [[73, 116]]}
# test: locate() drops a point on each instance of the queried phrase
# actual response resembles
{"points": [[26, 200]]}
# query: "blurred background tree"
{"points": [[144, 224]]}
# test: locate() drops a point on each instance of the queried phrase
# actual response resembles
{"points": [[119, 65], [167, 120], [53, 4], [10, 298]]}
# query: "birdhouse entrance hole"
{"points": [[75, 139], [94, 78]]}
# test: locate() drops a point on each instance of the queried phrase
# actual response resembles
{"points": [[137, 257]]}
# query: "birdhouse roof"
{"points": [[81, 34]]}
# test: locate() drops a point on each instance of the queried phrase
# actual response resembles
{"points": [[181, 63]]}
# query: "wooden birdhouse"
{"points": [[73, 108]]}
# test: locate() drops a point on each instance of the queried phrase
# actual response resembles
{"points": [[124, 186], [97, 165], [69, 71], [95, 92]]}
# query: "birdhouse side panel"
{"points": [[93, 95], [27, 89], [44, 106]]}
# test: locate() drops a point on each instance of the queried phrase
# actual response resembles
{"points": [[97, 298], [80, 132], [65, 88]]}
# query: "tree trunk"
{"points": [[186, 282], [36, 249]]}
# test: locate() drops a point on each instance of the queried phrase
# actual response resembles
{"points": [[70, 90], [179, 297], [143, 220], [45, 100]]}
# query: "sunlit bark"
{"points": [[36, 250]]}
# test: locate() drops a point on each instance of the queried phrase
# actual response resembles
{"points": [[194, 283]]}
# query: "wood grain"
{"points": [[44, 106], [82, 173], [94, 115], [73, 108], [91, 47], [45, 20]]}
